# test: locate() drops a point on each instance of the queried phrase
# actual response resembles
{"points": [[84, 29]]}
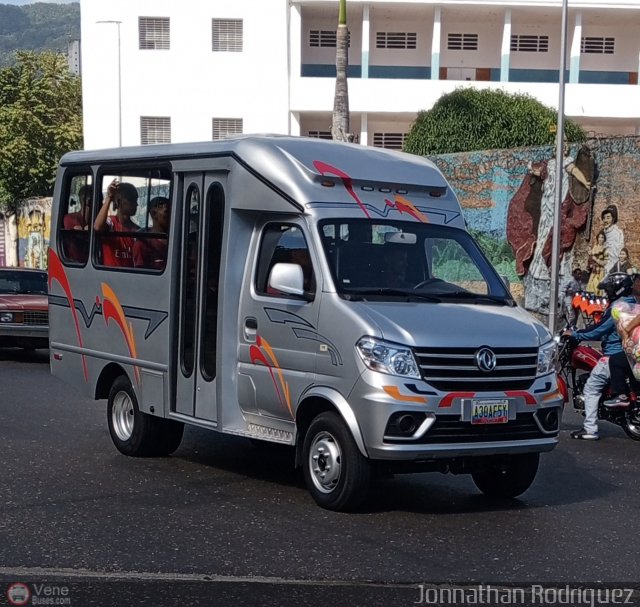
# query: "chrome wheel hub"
{"points": [[122, 416], [325, 462]]}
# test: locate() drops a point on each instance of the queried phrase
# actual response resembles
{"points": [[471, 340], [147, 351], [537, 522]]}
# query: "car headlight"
{"points": [[6, 316], [547, 358], [385, 357]]}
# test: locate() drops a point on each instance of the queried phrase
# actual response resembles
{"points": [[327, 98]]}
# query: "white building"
{"points": [[160, 70]]}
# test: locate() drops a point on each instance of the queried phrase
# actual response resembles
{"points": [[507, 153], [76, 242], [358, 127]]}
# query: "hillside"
{"points": [[39, 26]]}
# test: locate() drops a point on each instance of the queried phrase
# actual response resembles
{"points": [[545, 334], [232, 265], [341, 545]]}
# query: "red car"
{"points": [[24, 309]]}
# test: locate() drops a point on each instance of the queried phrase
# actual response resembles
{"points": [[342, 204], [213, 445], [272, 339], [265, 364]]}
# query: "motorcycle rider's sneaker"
{"points": [[621, 400], [584, 435]]}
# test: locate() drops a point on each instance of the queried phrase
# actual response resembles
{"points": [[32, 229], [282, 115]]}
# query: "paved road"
{"points": [[226, 521]]}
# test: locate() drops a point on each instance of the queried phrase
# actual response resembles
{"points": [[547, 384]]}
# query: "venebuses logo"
{"points": [[18, 594]]}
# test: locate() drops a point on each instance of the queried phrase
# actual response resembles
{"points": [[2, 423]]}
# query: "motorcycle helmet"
{"points": [[616, 285]]}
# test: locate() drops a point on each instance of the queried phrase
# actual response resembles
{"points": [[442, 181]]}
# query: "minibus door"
{"points": [[202, 231]]}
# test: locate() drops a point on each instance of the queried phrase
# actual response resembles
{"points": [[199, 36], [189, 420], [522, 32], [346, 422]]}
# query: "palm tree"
{"points": [[340, 118]]}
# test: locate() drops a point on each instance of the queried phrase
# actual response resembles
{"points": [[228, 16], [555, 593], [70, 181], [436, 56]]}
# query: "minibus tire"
{"points": [[506, 477], [346, 486], [135, 433]]}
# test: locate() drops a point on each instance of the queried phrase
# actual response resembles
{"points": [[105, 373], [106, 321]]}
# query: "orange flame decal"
{"points": [[56, 272], [257, 355], [112, 309], [402, 205]]}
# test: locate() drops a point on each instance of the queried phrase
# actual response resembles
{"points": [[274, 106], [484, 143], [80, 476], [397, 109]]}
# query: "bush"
{"points": [[471, 119]]}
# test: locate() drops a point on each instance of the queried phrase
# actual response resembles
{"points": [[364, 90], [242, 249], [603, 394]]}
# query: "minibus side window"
{"points": [[283, 243], [132, 219], [75, 219]]}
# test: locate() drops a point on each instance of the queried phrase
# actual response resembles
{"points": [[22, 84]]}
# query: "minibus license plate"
{"points": [[489, 411]]}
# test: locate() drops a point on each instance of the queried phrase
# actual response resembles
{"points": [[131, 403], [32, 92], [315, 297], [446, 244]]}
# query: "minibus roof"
{"points": [[298, 167]]}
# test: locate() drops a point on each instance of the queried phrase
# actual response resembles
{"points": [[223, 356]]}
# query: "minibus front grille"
{"points": [[35, 317], [450, 369], [451, 429]]}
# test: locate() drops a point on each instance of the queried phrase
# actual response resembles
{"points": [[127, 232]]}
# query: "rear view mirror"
{"points": [[400, 237]]}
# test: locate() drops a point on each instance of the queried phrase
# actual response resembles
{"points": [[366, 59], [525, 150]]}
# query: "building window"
{"points": [[396, 40], [325, 38], [153, 33], [155, 129], [226, 127], [320, 134], [597, 46], [226, 35], [390, 141], [529, 44], [322, 38], [462, 42]]}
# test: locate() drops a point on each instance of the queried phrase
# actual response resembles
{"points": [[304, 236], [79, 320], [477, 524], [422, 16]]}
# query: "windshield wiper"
{"points": [[399, 292], [479, 297]]}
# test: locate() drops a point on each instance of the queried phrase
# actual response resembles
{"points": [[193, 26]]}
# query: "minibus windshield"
{"points": [[372, 259]]}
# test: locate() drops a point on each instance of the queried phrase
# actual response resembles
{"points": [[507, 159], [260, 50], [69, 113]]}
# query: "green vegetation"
{"points": [[40, 119], [37, 27], [470, 119], [499, 253]]}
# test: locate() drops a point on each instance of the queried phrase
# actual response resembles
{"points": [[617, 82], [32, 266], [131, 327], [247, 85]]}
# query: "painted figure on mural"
{"points": [[623, 264], [615, 236], [530, 221], [598, 257]]}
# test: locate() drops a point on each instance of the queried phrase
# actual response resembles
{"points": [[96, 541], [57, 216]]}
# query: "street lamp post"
{"points": [[117, 23], [555, 240]]}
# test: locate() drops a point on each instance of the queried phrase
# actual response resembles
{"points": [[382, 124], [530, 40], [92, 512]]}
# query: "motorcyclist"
{"points": [[616, 286]]}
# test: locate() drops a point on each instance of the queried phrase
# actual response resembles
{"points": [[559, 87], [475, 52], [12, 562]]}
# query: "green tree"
{"points": [[340, 119], [40, 119], [471, 119]]}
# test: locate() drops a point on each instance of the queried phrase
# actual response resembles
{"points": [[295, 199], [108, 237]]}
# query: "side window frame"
{"points": [[263, 267], [75, 242]]}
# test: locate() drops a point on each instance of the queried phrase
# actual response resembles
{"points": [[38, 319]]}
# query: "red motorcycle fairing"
{"points": [[585, 357]]}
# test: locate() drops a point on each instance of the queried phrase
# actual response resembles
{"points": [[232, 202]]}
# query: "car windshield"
{"points": [[13, 282], [395, 260]]}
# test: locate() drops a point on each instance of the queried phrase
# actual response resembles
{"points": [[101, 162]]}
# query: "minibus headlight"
{"points": [[547, 358], [6, 316], [388, 358]]}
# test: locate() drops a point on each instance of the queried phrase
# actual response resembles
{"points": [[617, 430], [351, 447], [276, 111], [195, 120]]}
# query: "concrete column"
{"points": [[295, 41], [435, 44], [364, 129], [505, 55], [294, 123], [366, 35], [574, 62]]}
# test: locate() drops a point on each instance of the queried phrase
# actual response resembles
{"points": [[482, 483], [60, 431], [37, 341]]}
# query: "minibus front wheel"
{"points": [[336, 473], [135, 433]]}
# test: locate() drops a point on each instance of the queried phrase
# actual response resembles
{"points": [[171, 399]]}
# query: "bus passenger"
{"points": [[75, 239], [80, 219], [118, 250], [150, 251]]}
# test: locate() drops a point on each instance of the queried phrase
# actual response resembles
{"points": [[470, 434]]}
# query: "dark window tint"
{"points": [[74, 227], [283, 243]]}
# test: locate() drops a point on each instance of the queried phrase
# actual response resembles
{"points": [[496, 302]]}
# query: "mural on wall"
{"points": [[508, 198], [34, 224]]}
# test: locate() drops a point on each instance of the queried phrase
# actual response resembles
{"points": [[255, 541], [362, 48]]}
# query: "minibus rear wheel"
{"points": [[135, 433], [506, 477], [336, 473]]}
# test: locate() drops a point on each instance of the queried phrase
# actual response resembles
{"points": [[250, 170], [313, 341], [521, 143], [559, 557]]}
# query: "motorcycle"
{"points": [[575, 362]]}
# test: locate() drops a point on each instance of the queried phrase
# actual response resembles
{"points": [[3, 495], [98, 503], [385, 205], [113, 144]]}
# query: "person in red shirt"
{"points": [[118, 250], [150, 251], [76, 243]]}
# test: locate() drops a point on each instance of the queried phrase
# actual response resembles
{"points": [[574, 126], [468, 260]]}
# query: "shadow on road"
{"points": [[564, 478], [24, 356]]}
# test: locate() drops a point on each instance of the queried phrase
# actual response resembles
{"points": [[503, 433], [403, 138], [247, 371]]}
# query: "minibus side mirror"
{"points": [[287, 278]]}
